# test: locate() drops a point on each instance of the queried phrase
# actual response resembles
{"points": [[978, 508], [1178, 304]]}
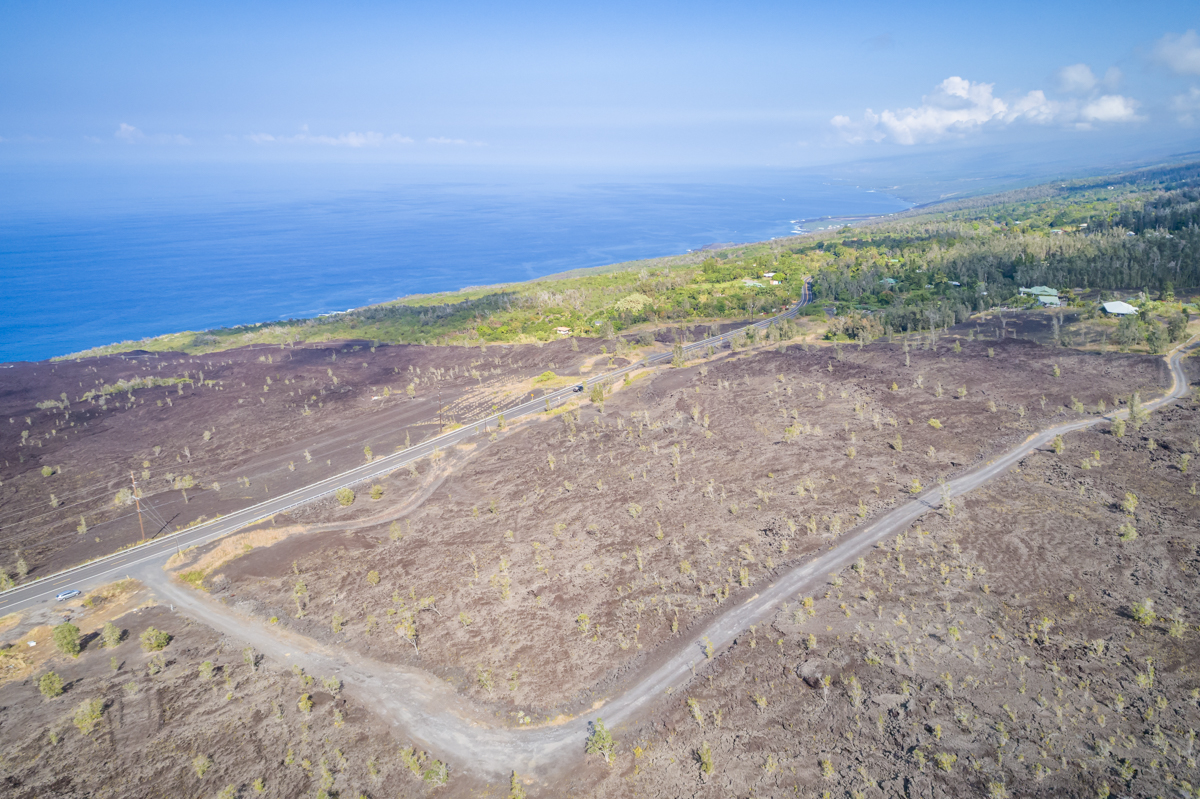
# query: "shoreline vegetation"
{"points": [[927, 267]]}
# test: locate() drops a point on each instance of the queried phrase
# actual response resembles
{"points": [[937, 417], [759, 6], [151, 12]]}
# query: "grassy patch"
{"points": [[194, 578]]}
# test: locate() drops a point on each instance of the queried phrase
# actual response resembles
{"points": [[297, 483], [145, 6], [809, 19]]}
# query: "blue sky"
{"points": [[609, 85]]}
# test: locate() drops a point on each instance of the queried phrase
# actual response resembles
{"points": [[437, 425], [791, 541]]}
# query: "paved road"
{"points": [[431, 713], [113, 566]]}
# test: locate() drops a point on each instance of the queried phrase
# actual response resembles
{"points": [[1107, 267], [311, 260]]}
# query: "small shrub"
{"points": [[305, 704], [201, 764], [373, 577], [704, 754], [945, 760], [88, 714], [51, 685], [154, 640], [437, 775], [345, 497], [376, 492], [1143, 611], [935, 424], [111, 635]]}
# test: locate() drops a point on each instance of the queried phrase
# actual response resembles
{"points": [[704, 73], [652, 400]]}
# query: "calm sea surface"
{"points": [[95, 256]]}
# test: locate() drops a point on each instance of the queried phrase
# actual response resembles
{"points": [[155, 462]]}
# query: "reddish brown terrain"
{"points": [[219, 432], [651, 509], [167, 729], [991, 650]]}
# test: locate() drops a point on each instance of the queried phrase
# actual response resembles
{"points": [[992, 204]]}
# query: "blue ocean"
{"points": [[95, 255]]}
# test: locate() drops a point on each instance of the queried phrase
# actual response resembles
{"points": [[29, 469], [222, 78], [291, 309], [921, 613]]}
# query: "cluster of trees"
{"points": [[1142, 328], [929, 266], [939, 268]]}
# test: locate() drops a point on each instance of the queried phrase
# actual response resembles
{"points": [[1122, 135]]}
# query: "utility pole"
{"points": [[141, 524]]}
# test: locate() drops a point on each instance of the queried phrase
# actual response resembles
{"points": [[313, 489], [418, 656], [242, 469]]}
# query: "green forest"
{"points": [[1107, 237]]}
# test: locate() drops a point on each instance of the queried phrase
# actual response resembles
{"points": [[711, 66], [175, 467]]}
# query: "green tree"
{"points": [[51, 685], [1177, 327], [66, 639], [1129, 332], [345, 497], [600, 741], [1157, 339], [677, 356]]}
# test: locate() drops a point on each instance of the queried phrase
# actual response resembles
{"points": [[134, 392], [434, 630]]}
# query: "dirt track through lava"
{"points": [[430, 711]]}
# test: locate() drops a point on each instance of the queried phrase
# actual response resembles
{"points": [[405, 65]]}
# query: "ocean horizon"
{"points": [[95, 257]]}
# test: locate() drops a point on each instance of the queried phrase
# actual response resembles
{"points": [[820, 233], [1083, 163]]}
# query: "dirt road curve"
{"points": [[452, 728]]}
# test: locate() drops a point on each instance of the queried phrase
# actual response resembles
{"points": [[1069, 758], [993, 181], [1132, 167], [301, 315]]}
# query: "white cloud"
{"points": [[1110, 108], [1180, 53], [129, 133], [1187, 105], [1077, 79], [442, 140], [958, 107], [132, 135], [1034, 107], [955, 107], [351, 139]]}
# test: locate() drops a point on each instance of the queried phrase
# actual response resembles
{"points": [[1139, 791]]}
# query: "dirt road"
{"points": [[454, 729]]}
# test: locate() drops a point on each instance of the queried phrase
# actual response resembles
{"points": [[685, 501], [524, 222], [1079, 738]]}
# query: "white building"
{"points": [[1119, 308]]}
